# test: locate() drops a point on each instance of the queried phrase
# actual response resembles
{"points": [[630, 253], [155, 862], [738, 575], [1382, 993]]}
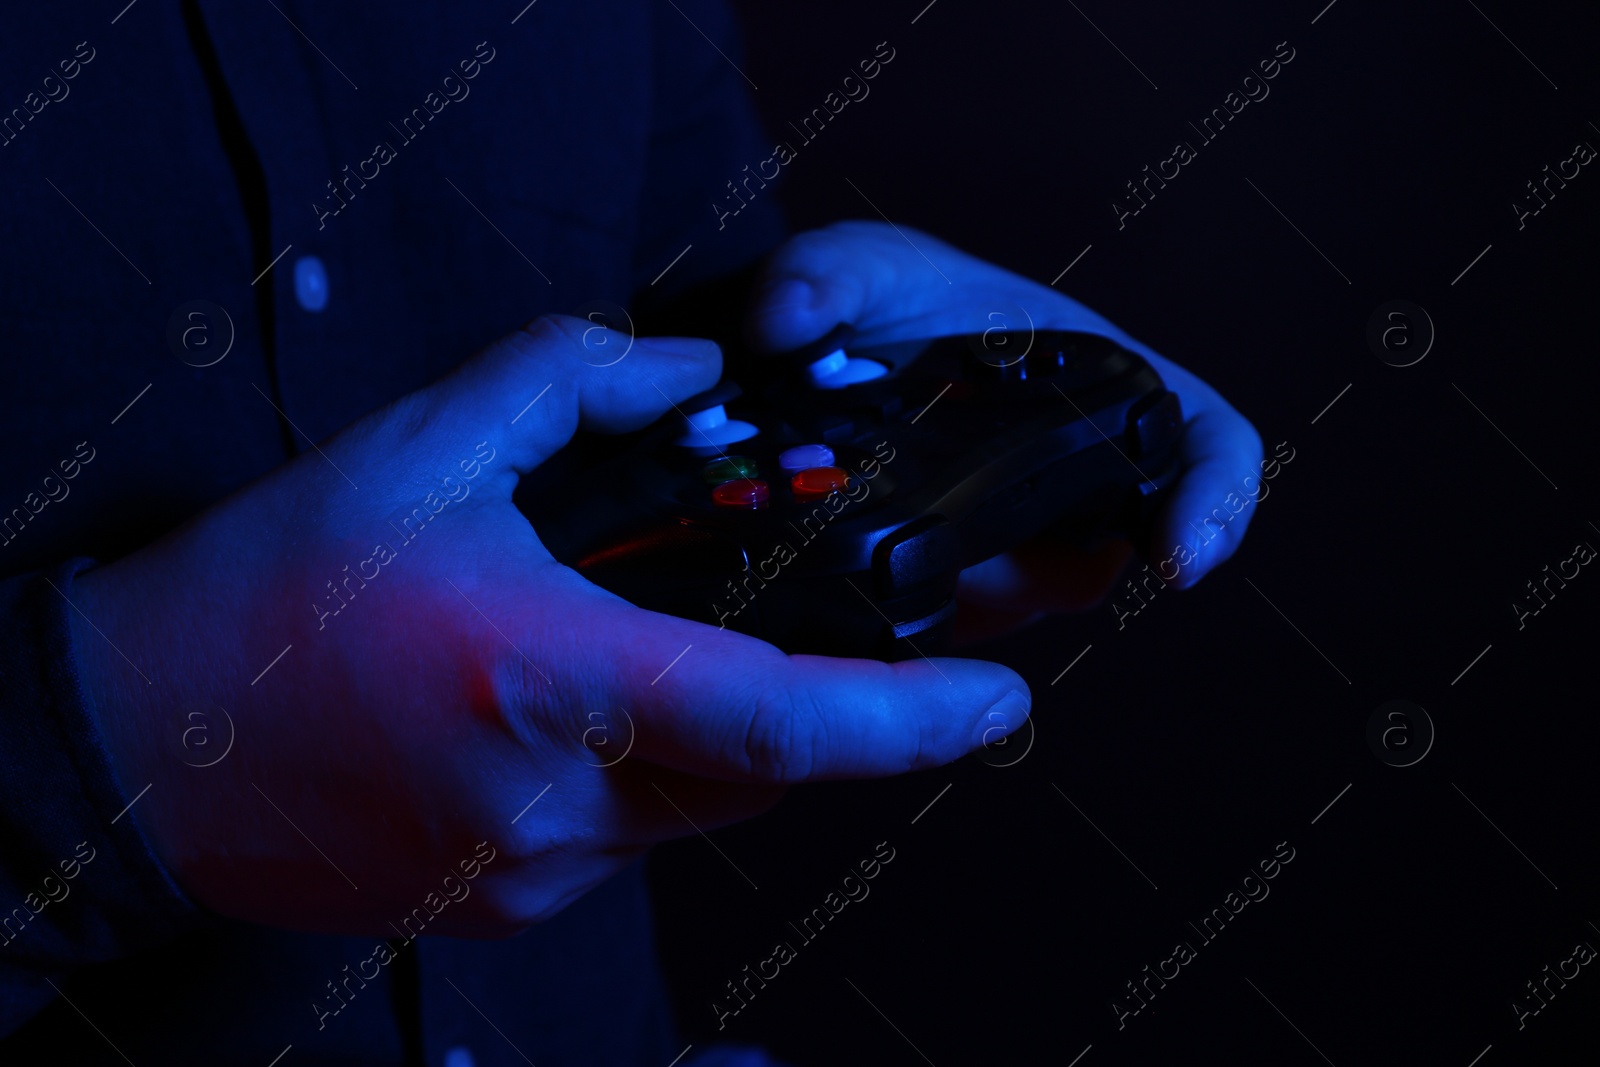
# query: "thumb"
{"points": [[530, 391]]}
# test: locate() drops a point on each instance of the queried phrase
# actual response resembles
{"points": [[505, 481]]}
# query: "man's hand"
{"points": [[894, 283], [407, 670]]}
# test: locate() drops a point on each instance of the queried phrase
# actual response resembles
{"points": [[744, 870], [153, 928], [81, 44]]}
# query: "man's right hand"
{"points": [[429, 692]]}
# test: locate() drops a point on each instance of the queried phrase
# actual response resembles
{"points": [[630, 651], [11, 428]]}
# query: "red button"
{"points": [[817, 482], [741, 493]]}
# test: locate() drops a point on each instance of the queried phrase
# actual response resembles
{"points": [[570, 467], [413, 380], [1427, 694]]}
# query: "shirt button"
{"points": [[458, 1057], [311, 284]]}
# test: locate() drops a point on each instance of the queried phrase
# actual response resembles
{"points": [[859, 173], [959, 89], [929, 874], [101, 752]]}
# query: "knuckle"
{"points": [[527, 702], [814, 253], [412, 418], [929, 742], [782, 740], [551, 340], [550, 328]]}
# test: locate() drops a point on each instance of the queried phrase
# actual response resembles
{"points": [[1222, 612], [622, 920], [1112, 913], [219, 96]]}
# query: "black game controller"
{"points": [[832, 509]]}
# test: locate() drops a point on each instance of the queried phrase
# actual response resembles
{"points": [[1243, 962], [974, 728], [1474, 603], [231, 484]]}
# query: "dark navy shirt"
{"points": [[438, 174]]}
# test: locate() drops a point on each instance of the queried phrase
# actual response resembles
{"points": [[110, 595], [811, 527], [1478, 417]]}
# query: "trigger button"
{"points": [[914, 554]]}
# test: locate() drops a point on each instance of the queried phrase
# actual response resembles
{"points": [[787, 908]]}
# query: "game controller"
{"points": [[832, 508]]}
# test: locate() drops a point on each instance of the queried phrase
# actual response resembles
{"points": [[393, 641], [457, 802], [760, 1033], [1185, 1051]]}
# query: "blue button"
{"points": [[311, 283], [458, 1057], [804, 457]]}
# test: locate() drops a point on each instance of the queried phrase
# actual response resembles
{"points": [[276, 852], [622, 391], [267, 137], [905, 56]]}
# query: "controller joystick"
{"points": [[707, 430], [837, 370]]}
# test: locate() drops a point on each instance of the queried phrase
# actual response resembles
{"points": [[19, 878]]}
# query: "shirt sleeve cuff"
{"points": [[79, 881]]}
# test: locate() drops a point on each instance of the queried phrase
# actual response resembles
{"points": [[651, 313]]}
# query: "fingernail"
{"points": [[1004, 716], [787, 295]]}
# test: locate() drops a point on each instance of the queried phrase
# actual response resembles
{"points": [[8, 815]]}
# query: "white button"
{"points": [[828, 365], [458, 1057], [710, 429], [836, 370], [709, 419], [311, 283]]}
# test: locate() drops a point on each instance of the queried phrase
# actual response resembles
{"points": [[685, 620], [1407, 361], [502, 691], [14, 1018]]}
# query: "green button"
{"points": [[727, 468]]}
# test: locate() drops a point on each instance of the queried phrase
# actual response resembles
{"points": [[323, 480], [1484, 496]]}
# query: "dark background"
{"points": [[1209, 730]]}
